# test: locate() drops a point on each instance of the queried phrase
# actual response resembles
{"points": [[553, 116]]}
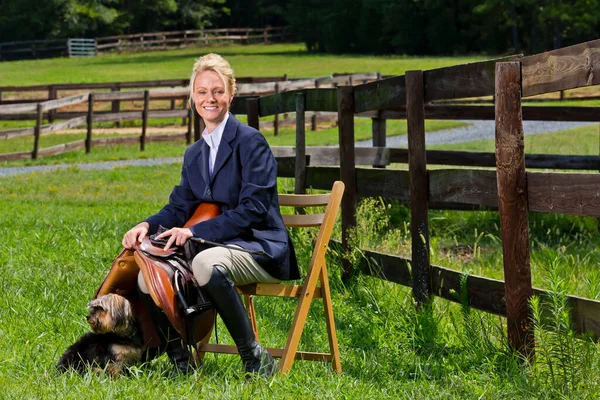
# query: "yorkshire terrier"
{"points": [[115, 341]]}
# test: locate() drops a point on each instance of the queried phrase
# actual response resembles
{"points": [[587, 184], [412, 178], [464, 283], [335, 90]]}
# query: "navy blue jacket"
{"points": [[244, 184]]}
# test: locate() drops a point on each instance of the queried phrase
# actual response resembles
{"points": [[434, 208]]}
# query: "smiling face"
{"points": [[211, 98]]}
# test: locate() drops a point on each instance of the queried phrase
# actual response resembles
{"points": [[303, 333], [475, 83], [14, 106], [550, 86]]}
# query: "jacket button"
{"points": [[207, 192]]}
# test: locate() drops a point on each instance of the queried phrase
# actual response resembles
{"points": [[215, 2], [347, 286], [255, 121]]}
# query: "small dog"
{"points": [[115, 341]]}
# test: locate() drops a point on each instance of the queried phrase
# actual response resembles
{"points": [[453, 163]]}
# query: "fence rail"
{"points": [[164, 40]]}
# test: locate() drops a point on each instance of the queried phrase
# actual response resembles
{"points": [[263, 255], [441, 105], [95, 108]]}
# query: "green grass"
{"points": [[253, 60], [62, 231]]}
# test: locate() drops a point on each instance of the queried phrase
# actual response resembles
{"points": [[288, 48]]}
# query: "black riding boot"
{"points": [[228, 304], [179, 355]]}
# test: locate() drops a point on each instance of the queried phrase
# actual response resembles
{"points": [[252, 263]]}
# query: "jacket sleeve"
{"points": [[182, 202], [258, 188]]}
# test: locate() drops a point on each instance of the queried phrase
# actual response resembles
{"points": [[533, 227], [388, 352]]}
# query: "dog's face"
{"points": [[111, 313]]}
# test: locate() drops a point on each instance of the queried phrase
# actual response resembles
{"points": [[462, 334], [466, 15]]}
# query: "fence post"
{"points": [[379, 133], [37, 131], [513, 206], [116, 104], [419, 201], [172, 100], [144, 120], [252, 112], [90, 123], [276, 117], [300, 172], [198, 123], [188, 133], [51, 96], [285, 78], [345, 105], [313, 119]]}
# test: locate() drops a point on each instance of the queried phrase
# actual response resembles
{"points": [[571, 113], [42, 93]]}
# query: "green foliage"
{"points": [[563, 361], [24, 20], [441, 27]]}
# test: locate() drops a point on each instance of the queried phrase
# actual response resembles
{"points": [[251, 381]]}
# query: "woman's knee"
{"points": [[202, 267]]}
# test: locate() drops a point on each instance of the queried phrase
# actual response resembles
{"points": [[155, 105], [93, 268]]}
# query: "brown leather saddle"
{"points": [[170, 283]]}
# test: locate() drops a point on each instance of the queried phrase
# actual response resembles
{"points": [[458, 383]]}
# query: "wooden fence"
{"points": [[33, 49], [164, 40], [40, 109], [510, 188]]}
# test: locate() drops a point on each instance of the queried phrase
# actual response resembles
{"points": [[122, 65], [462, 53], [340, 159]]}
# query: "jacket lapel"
{"points": [[225, 149]]}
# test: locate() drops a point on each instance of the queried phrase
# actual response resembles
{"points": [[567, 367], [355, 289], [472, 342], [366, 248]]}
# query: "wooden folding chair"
{"points": [[317, 271]]}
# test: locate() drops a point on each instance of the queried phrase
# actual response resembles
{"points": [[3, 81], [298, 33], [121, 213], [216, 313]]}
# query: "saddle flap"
{"points": [[122, 277], [149, 248], [159, 278]]}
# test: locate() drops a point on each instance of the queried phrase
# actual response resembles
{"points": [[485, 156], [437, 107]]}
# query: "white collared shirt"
{"points": [[213, 140]]}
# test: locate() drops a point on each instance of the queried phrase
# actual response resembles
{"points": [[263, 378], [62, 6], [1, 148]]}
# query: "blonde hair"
{"points": [[216, 63]]}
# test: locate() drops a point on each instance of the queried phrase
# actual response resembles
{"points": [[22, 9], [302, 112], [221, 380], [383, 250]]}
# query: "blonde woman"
{"points": [[233, 166]]}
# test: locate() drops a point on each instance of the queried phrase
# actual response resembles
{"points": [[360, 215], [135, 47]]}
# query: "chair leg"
{"points": [[249, 302], [331, 332], [291, 346]]}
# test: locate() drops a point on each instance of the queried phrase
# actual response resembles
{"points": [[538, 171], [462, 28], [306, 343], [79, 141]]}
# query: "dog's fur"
{"points": [[114, 343]]}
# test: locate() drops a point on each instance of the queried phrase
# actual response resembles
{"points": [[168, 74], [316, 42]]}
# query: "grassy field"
{"points": [[253, 60], [62, 230]]}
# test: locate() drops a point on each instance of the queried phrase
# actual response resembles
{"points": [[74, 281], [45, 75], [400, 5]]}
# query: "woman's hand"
{"points": [[135, 234], [176, 235]]}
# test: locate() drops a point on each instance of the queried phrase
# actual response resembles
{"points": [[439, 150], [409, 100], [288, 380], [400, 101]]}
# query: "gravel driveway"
{"points": [[477, 130]]}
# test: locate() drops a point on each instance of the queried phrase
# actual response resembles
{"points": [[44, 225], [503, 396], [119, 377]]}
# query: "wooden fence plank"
{"points": [[562, 69], [324, 100], [381, 94], [564, 193], [474, 187], [418, 186], [460, 81], [20, 155], [18, 109], [512, 205], [61, 148], [65, 101], [530, 113], [483, 294]]}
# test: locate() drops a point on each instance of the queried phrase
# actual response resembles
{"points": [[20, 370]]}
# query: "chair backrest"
{"points": [[325, 220]]}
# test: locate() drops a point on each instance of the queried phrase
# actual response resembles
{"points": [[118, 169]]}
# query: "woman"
{"points": [[233, 166]]}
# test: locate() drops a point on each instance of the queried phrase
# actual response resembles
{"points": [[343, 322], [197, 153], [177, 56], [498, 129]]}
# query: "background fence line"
{"points": [[150, 41]]}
